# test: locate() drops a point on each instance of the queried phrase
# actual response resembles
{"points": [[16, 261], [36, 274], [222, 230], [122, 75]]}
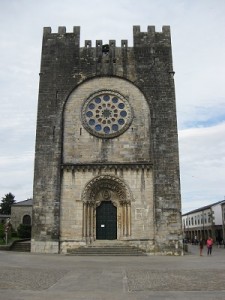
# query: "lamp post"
{"points": [[7, 229], [210, 215], [203, 229]]}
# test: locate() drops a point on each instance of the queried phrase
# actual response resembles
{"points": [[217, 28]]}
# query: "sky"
{"points": [[198, 44]]}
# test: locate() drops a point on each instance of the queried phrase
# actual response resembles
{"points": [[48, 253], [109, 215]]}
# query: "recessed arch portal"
{"points": [[101, 189]]}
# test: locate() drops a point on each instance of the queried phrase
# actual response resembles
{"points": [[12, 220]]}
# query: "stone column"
{"points": [[91, 222], [84, 220], [129, 219], [88, 221], [125, 219]]}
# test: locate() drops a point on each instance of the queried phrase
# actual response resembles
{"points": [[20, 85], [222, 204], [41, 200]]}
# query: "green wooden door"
{"points": [[106, 221]]}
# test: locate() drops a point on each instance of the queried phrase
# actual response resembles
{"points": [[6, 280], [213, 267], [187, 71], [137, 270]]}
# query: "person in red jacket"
{"points": [[209, 244]]}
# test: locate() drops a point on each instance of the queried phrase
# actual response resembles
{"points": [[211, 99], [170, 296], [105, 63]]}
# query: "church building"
{"points": [[106, 157]]}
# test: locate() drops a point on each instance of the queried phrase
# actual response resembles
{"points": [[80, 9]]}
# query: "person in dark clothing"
{"points": [[201, 245]]}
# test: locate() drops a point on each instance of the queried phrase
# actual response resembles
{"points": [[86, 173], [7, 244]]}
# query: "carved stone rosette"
{"points": [[106, 114]]}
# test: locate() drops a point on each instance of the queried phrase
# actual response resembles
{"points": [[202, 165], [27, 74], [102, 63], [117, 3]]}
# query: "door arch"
{"points": [[26, 220], [110, 189]]}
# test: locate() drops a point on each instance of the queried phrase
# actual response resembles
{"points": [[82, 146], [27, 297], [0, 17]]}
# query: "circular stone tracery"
{"points": [[106, 114]]}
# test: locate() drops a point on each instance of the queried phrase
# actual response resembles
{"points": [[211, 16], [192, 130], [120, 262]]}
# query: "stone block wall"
{"points": [[141, 204], [144, 74], [17, 214]]}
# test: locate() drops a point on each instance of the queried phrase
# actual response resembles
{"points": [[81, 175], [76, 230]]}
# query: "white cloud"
{"points": [[202, 160]]}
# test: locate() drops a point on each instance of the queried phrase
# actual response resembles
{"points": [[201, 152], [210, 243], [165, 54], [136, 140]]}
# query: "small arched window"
{"points": [[26, 220]]}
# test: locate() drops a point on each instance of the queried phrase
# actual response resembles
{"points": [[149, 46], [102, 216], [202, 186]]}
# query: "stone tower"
{"points": [[106, 161]]}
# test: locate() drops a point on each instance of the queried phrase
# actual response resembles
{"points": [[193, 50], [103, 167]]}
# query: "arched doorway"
{"points": [[26, 220], [106, 221], [106, 209]]}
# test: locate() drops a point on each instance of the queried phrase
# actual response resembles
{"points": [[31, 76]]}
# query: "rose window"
{"points": [[106, 114]]}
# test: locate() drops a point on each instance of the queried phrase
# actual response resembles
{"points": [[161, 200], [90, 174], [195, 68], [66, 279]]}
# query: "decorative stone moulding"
{"points": [[106, 114], [106, 184], [106, 166]]}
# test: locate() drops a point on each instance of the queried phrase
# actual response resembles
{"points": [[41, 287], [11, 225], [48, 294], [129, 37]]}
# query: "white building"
{"points": [[204, 222], [223, 218]]}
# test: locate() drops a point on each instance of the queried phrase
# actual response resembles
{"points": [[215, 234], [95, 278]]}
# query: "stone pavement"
{"points": [[26, 276]]}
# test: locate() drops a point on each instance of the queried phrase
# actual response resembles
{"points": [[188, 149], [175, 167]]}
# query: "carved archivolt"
{"points": [[106, 188], [103, 187]]}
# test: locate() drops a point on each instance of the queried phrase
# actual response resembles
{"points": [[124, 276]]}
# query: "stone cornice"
{"points": [[106, 166]]}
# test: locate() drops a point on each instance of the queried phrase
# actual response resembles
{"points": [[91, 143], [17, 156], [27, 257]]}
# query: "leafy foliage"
{"points": [[7, 201], [2, 231], [24, 231]]}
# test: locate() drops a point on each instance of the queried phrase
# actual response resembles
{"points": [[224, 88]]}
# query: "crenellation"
{"points": [[140, 37], [99, 44], [61, 29], [124, 43], [166, 30], [112, 43], [76, 30], [47, 30], [151, 29], [136, 29], [151, 37], [87, 43]]}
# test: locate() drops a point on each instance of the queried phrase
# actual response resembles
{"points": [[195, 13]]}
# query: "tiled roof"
{"points": [[28, 202], [203, 208]]}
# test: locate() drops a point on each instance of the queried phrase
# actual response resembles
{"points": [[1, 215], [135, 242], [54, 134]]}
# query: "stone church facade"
{"points": [[106, 160]]}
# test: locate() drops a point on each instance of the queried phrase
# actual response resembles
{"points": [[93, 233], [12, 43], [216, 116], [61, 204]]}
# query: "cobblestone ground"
{"points": [[29, 279], [173, 280], [154, 280], [25, 276]]}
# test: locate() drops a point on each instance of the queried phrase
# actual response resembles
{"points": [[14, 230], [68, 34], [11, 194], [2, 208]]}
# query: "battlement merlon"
{"points": [[61, 30], [48, 34], [151, 30], [151, 36], [140, 38]]}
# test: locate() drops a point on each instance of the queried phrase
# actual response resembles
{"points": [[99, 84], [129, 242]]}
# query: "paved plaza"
{"points": [[26, 276]]}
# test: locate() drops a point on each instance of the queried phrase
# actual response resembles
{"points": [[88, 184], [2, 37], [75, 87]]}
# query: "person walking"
{"points": [[201, 245], [209, 244]]}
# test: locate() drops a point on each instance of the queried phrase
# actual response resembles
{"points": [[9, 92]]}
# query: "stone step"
{"points": [[21, 246], [110, 250]]}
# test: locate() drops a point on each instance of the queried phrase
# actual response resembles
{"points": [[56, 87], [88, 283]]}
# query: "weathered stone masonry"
{"points": [[107, 132]]}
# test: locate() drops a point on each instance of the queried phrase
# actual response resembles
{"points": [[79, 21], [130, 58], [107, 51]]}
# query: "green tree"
{"points": [[7, 201], [24, 231]]}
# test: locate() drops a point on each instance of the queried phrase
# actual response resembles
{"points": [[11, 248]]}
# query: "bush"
{"points": [[24, 231], [14, 234], [2, 231]]}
